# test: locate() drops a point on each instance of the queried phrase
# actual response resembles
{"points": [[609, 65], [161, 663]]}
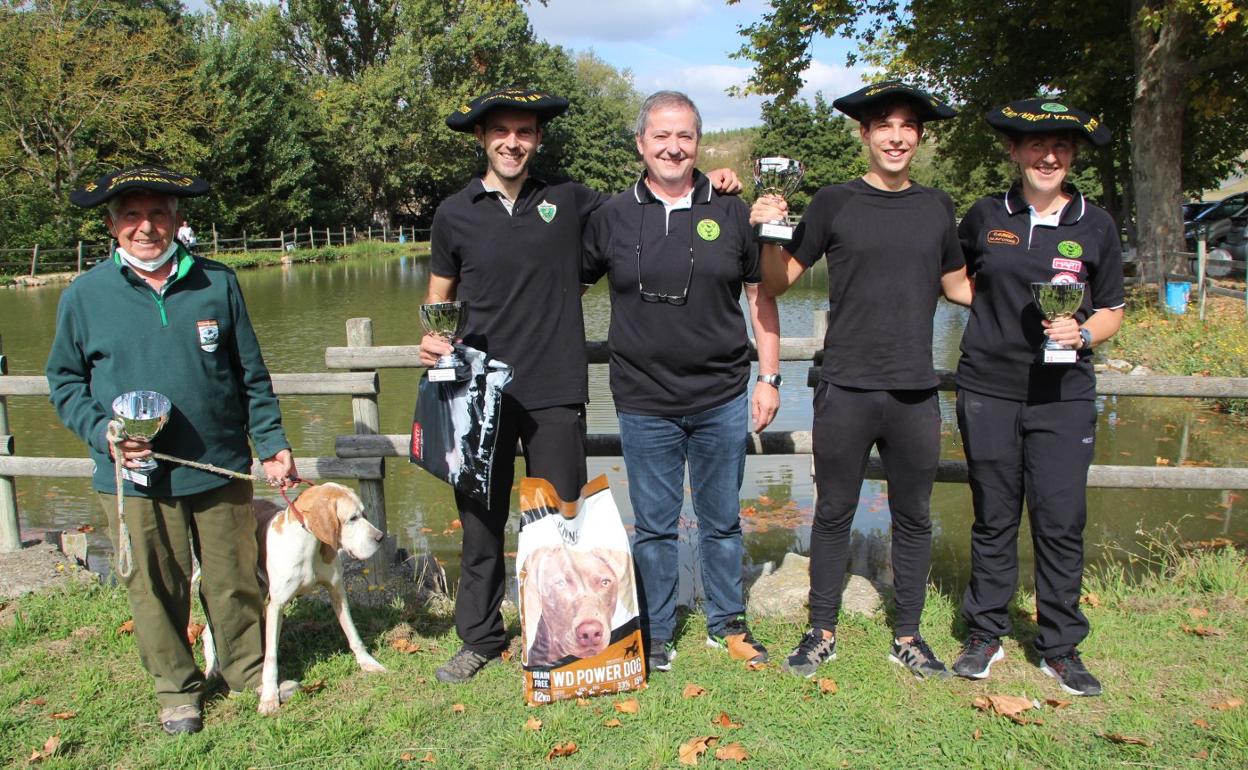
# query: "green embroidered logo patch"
{"points": [[1053, 107], [708, 229], [547, 210], [1070, 249]]}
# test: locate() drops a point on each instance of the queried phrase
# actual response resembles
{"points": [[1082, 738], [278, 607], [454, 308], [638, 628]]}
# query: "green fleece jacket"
{"points": [[193, 342]]}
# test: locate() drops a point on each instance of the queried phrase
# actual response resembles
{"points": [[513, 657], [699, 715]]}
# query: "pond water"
{"points": [[299, 310]]}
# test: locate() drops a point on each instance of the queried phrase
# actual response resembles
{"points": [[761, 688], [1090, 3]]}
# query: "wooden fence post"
{"points": [[10, 532], [244, 240], [344, 235], [367, 420], [355, 236], [34, 258], [214, 239], [328, 240], [385, 232], [370, 232]]}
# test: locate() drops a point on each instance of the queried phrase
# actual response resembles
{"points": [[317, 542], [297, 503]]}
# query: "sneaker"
{"points": [[919, 658], [978, 655], [463, 666], [739, 642], [181, 720], [810, 652], [661, 656], [1071, 674]]}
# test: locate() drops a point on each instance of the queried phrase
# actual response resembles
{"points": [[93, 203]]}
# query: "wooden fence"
{"points": [[360, 455]]}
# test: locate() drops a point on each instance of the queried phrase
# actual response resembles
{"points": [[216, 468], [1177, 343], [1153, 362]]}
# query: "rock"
{"points": [[1118, 365], [1140, 371], [782, 593]]}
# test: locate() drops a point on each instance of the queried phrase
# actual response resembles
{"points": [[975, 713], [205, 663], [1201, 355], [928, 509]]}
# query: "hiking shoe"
{"points": [[463, 666], [919, 658], [181, 720], [810, 652], [739, 642], [661, 656], [978, 655], [1071, 674]]}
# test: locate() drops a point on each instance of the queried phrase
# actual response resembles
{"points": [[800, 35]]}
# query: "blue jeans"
{"points": [[655, 452]]}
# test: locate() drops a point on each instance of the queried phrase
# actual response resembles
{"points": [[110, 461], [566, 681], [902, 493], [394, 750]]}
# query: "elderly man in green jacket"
{"points": [[155, 317]]}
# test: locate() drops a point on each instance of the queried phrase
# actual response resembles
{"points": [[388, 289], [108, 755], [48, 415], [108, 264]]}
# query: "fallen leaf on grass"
{"points": [[1198, 612], [692, 691], [582, 702], [561, 750], [725, 721], [457, 708], [405, 646], [1202, 724], [1091, 599], [695, 747], [977, 734], [1227, 705], [193, 632], [764, 500], [613, 723], [457, 524], [733, 752], [1203, 630], [1210, 545], [428, 757], [38, 701], [827, 686], [1057, 704], [62, 715], [1127, 739], [50, 747], [425, 530], [629, 706], [755, 665], [739, 649], [1163, 461], [533, 723], [1008, 706], [127, 627], [506, 655], [749, 511], [312, 687]]}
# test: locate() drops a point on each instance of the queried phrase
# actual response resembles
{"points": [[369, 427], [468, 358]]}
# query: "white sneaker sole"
{"points": [[998, 655], [919, 674]]}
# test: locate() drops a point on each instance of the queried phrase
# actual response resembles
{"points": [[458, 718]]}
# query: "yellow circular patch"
{"points": [[708, 229]]}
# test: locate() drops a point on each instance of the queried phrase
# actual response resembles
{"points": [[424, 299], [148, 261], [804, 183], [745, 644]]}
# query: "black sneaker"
{"points": [[1071, 674], [810, 652], [463, 666], [919, 658], [181, 720], [978, 655], [739, 642], [661, 656]]}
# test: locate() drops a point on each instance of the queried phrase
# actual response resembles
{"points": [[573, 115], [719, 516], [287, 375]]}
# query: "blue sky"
{"points": [[683, 45]]}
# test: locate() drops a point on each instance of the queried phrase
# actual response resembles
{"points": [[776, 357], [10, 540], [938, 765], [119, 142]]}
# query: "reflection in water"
{"points": [[300, 309]]}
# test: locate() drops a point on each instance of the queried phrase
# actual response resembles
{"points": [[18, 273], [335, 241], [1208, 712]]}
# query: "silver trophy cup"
{"points": [[445, 320], [1058, 300], [776, 176], [142, 414]]}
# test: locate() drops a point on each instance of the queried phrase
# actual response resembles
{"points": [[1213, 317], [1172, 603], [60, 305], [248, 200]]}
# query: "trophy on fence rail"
{"points": [[1058, 300], [445, 320], [776, 176], [142, 414]]}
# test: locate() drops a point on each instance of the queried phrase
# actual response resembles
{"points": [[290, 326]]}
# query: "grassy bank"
{"points": [[1183, 344], [1169, 649]]}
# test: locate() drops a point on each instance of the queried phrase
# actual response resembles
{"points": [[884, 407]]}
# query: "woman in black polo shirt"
{"points": [[1029, 426]]}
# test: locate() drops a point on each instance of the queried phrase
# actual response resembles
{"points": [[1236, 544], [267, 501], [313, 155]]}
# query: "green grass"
{"points": [[240, 259], [65, 648]]}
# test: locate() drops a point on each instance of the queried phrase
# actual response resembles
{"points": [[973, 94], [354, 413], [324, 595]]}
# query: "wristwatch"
{"points": [[771, 379], [1087, 337]]}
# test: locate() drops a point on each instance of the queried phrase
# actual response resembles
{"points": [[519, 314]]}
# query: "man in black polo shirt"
{"points": [[892, 247], [677, 257], [509, 245]]}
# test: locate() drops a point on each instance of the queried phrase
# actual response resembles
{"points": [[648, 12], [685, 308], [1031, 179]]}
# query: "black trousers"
{"points": [[1042, 451], [553, 441], [905, 425]]}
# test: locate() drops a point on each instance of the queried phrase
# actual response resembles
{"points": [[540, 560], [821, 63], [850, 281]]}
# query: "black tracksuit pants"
{"points": [[1042, 451], [553, 441], [905, 425]]}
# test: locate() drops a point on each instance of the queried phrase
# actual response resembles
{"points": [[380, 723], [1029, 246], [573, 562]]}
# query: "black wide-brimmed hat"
{"points": [[153, 178], [1044, 116], [546, 106], [929, 107]]}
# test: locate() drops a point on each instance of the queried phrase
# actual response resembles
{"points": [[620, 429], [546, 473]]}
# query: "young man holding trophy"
{"points": [[892, 249], [508, 247], [1047, 267], [160, 336]]}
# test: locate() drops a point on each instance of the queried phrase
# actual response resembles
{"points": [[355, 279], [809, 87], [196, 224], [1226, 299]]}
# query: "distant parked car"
{"points": [[1193, 209], [1217, 218]]}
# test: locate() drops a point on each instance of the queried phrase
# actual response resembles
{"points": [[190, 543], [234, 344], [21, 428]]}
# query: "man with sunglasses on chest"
{"points": [[677, 257]]}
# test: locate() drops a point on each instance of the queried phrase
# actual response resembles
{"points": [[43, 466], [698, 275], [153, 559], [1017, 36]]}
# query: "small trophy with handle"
{"points": [[1058, 300], [776, 176], [445, 320], [142, 413]]}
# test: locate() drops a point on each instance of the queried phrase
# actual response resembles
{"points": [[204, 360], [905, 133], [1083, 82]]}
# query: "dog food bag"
{"points": [[580, 627], [456, 424]]}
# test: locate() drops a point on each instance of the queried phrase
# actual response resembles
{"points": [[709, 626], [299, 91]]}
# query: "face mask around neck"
{"points": [[148, 265]]}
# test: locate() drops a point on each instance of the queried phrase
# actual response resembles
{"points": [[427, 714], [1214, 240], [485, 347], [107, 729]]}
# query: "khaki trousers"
{"points": [[219, 525]]}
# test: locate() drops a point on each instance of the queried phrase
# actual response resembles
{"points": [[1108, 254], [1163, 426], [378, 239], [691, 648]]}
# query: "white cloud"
{"points": [[577, 22]]}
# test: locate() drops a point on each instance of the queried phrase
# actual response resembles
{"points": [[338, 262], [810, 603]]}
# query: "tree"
{"points": [[824, 141], [1149, 66]]}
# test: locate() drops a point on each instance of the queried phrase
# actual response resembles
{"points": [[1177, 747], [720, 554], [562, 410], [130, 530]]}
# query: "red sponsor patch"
{"points": [[1065, 278], [1002, 237], [1071, 265], [416, 442]]}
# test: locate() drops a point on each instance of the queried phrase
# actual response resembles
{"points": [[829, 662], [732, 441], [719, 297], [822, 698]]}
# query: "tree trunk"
{"points": [[1157, 140]]}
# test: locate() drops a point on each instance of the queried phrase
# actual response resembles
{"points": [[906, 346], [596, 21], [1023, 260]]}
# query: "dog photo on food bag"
{"points": [[578, 599]]}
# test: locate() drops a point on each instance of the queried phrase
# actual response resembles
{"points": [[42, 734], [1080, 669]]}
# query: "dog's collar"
{"points": [[291, 503]]}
